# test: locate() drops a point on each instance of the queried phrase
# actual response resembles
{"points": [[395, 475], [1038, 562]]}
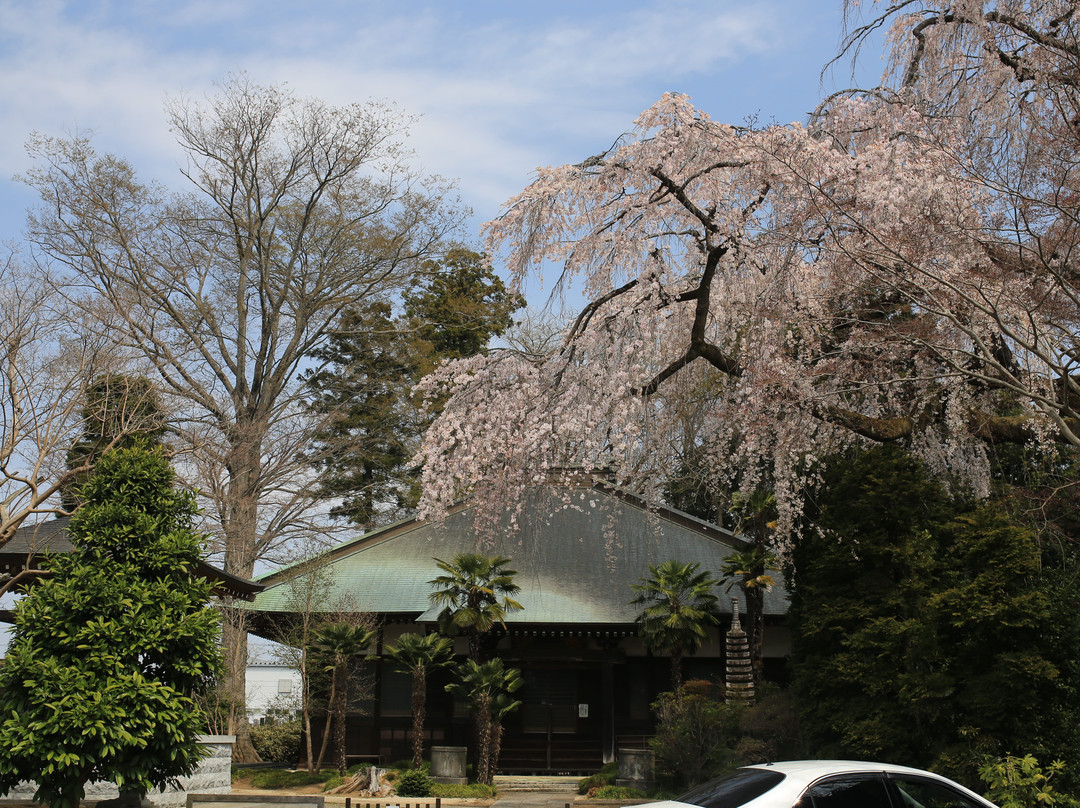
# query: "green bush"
{"points": [[605, 777], [472, 791], [769, 729], [695, 736], [277, 743], [413, 783], [333, 782], [280, 778], [1014, 782]]}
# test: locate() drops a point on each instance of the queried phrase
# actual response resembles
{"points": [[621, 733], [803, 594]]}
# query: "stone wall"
{"points": [[213, 777]]}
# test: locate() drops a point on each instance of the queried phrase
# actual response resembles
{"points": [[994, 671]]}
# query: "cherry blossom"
{"points": [[891, 271]]}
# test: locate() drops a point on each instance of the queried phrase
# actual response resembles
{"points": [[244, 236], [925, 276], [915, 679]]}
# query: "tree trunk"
{"points": [[240, 529], [496, 747], [305, 702], [483, 755], [310, 750], [339, 717], [234, 643], [419, 696], [755, 628], [676, 669], [329, 721]]}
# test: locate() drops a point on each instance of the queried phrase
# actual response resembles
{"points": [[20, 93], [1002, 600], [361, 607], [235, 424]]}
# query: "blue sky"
{"points": [[502, 87]]}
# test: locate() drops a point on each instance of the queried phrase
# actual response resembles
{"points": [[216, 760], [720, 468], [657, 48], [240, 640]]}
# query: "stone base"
{"points": [[644, 785], [213, 776], [451, 781]]}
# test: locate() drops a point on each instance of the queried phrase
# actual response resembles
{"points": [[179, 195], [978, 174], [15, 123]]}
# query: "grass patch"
{"points": [[283, 778], [333, 782], [473, 791], [620, 793]]}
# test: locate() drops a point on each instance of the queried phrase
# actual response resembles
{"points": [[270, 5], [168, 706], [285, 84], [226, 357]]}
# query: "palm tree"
{"points": [[680, 605], [487, 685], [475, 593], [417, 654], [749, 569], [338, 643]]}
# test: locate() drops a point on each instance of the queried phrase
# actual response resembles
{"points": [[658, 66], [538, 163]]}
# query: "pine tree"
{"points": [[363, 390]]}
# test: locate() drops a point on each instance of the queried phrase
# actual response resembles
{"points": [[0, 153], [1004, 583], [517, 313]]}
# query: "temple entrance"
{"points": [[549, 708], [556, 730]]}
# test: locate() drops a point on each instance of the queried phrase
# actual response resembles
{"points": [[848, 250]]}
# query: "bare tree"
{"points": [[297, 211], [307, 591], [47, 365]]}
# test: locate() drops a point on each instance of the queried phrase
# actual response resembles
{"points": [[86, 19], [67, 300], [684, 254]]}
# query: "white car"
{"points": [[827, 784]]}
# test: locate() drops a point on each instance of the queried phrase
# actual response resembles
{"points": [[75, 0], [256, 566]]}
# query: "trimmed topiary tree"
{"points": [[107, 653]]}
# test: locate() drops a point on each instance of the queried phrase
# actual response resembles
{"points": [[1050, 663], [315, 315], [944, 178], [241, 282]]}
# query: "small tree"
{"points": [[108, 653], [483, 684], [469, 590], [680, 606], [339, 643], [416, 655]]}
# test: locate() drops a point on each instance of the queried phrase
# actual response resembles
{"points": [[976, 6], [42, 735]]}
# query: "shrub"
{"points": [[606, 776], [333, 782], [277, 743], [769, 729], [356, 768], [413, 783]]}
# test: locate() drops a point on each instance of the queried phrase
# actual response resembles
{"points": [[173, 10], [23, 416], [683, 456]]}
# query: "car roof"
{"points": [[798, 775], [810, 770]]}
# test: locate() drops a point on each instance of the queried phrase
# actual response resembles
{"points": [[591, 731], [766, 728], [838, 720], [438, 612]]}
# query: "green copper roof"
{"points": [[575, 565]]}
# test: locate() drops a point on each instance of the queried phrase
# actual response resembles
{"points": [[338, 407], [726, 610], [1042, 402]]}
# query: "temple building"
{"points": [[588, 679]]}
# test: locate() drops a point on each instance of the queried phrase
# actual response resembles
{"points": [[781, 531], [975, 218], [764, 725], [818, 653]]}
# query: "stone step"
{"points": [[539, 783]]}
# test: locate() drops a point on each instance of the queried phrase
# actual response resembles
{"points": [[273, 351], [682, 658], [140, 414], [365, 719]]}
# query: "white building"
{"points": [[271, 687]]}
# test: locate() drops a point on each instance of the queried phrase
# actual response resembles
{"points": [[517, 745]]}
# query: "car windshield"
{"points": [[734, 789]]}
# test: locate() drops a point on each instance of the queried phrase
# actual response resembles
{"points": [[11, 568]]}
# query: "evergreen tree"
{"points": [[369, 422], [459, 306], [108, 652], [370, 363], [120, 411], [923, 628], [338, 644], [749, 569]]}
